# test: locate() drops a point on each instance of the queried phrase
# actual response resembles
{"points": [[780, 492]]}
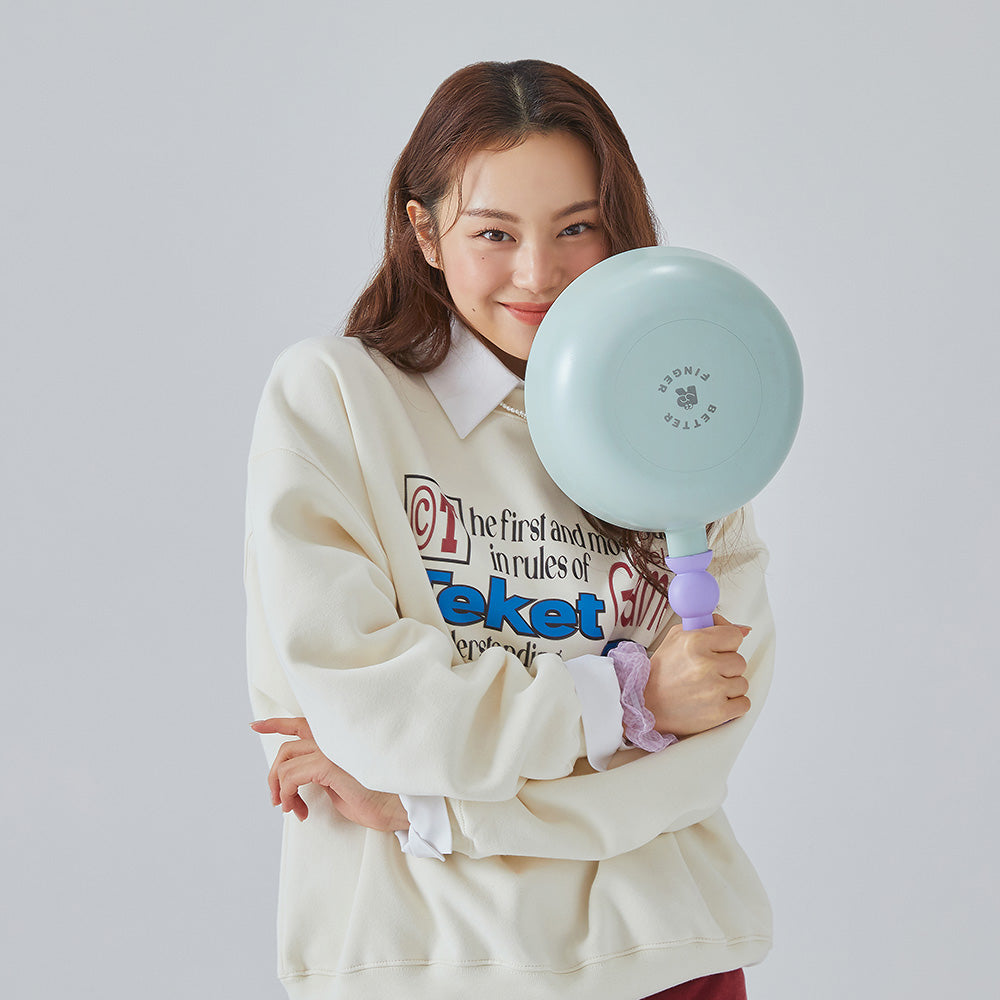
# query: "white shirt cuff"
{"points": [[600, 699], [429, 835]]}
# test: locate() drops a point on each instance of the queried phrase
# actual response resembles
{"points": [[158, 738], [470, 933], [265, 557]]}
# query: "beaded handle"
{"points": [[693, 593]]}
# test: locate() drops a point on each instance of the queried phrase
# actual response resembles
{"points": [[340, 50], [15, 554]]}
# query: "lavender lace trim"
{"points": [[632, 670]]}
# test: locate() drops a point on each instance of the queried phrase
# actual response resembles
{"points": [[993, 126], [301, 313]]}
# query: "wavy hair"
{"points": [[405, 311]]}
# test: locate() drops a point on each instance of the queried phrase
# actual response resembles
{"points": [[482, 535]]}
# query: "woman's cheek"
{"points": [[484, 274], [464, 268], [491, 268], [587, 256]]}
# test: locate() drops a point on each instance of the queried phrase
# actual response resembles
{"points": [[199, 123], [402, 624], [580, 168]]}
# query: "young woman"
{"points": [[434, 621]]}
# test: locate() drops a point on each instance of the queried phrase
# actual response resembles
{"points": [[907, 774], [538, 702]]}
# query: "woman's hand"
{"points": [[696, 678], [301, 762]]}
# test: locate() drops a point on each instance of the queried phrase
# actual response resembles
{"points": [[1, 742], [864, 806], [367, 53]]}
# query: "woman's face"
{"points": [[529, 226]]}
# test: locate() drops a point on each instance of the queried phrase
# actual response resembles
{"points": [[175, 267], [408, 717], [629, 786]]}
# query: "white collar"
{"points": [[471, 381]]}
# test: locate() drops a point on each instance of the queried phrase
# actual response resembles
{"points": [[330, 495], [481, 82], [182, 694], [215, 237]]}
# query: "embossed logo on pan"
{"points": [[686, 417]]}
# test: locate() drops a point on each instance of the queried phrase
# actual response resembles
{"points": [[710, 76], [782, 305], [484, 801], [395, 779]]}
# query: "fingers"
{"points": [[292, 775], [298, 762], [287, 750], [297, 806], [298, 770], [286, 727], [738, 707], [724, 636], [725, 623], [736, 687], [296, 726], [730, 664]]}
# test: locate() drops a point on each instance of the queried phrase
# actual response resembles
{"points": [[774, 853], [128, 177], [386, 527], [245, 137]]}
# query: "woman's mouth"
{"points": [[527, 312]]}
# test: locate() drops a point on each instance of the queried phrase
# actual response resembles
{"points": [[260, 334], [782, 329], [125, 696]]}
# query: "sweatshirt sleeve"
{"points": [[593, 816], [387, 696]]}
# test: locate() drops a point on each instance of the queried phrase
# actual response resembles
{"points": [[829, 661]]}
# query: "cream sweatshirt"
{"points": [[416, 587]]}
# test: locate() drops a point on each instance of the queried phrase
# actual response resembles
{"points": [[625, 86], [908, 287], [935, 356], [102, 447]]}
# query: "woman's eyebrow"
{"points": [[496, 213]]}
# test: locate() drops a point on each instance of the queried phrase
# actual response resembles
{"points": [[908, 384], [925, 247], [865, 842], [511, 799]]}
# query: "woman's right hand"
{"points": [[696, 678]]}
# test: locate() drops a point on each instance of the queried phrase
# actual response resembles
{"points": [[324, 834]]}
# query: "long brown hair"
{"points": [[405, 311]]}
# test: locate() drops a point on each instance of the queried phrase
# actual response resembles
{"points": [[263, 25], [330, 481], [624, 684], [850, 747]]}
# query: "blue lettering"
{"points": [[589, 605], [500, 608], [549, 619], [553, 619], [439, 576], [461, 605]]}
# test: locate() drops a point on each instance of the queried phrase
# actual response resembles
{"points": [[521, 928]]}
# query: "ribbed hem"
{"points": [[647, 969]]}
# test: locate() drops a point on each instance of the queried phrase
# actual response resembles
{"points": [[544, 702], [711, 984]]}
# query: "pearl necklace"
{"points": [[515, 411]]}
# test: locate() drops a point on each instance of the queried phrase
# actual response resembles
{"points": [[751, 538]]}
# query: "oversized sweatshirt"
{"points": [[416, 585]]}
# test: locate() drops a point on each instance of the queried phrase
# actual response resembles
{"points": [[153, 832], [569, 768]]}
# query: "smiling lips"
{"points": [[527, 312]]}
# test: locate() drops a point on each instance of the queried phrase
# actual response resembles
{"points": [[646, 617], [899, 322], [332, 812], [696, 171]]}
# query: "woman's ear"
{"points": [[423, 227]]}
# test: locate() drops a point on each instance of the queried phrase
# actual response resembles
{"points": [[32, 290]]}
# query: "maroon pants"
{"points": [[721, 986]]}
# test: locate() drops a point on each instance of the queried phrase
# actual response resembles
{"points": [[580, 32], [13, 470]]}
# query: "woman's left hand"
{"points": [[300, 762]]}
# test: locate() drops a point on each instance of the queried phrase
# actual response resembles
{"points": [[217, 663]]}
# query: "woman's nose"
{"points": [[536, 268]]}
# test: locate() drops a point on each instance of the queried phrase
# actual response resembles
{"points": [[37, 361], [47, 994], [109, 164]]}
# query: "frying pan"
{"points": [[663, 391]]}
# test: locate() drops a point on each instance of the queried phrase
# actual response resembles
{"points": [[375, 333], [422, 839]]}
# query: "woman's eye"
{"points": [[499, 236]]}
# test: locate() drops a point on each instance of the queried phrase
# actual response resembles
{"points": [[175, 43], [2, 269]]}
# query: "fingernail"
{"points": [[746, 629], [252, 724]]}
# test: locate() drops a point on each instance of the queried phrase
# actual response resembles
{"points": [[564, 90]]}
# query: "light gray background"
{"points": [[190, 186]]}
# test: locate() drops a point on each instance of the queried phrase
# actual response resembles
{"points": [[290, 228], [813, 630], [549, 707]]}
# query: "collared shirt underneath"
{"points": [[471, 382]]}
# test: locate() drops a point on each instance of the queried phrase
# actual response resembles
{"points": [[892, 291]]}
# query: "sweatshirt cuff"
{"points": [[429, 835], [600, 700]]}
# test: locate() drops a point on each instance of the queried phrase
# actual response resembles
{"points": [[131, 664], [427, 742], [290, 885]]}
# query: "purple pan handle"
{"points": [[693, 593]]}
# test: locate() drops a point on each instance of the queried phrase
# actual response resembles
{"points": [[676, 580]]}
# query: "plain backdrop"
{"points": [[190, 186]]}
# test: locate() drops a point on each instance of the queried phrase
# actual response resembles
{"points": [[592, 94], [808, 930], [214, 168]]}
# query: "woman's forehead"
{"points": [[541, 176]]}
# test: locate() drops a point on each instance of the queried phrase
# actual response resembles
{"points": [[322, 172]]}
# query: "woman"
{"points": [[421, 592]]}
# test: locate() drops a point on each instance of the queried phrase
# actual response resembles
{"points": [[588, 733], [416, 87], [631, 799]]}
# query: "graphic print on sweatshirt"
{"points": [[527, 583]]}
